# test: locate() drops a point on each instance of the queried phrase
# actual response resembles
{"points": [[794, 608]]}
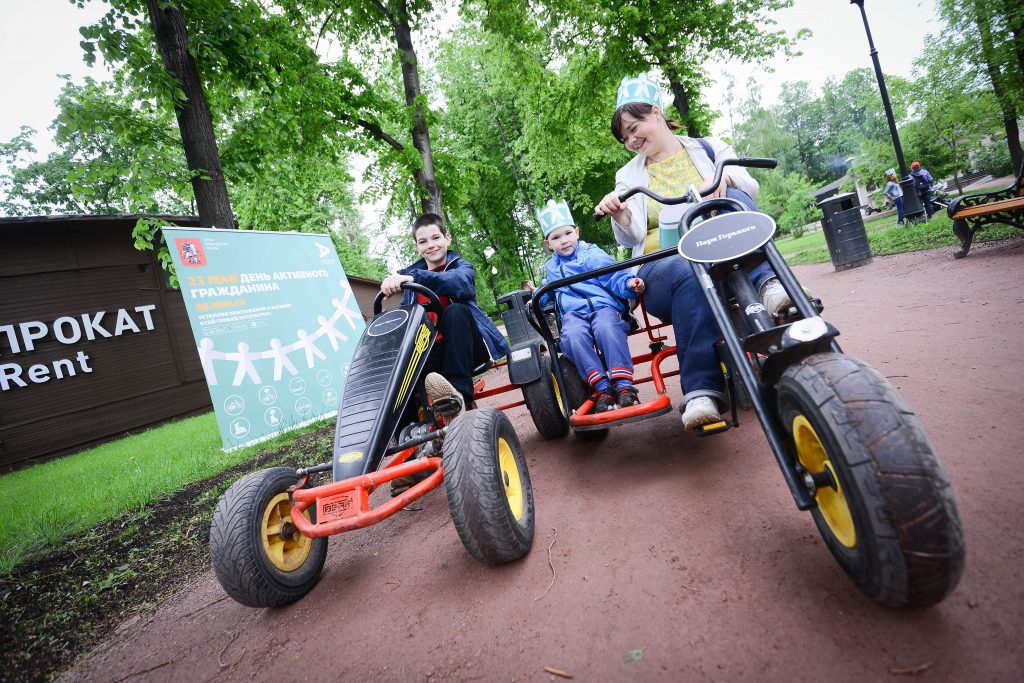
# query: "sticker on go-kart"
{"points": [[727, 236], [338, 506], [354, 456], [422, 341], [388, 322]]}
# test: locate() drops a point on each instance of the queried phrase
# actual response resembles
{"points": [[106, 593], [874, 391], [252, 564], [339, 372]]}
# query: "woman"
{"points": [[895, 193], [668, 164]]}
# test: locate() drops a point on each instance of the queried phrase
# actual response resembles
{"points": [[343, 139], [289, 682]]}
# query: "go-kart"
{"points": [[268, 538], [849, 447]]}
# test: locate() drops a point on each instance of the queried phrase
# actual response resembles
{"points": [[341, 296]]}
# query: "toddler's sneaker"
{"points": [[700, 411], [628, 396], [603, 402]]}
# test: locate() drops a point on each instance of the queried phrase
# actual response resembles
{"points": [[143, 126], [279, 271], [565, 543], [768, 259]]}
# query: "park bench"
{"points": [[972, 212]]}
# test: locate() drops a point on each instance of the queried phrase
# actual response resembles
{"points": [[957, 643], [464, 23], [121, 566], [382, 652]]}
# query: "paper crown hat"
{"points": [[553, 216], [643, 89], [889, 172]]}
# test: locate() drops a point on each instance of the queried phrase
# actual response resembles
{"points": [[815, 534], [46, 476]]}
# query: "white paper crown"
{"points": [[889, 172], [640, 89], [554, 216]]}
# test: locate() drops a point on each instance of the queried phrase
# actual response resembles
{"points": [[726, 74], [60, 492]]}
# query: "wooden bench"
{"points": [[972, 212]]}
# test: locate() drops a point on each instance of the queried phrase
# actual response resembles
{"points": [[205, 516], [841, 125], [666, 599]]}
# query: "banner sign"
{"points": [[275, 323]]}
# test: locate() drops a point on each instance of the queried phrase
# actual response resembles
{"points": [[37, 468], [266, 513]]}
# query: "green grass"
{"points": [[41, 505], [885, 237]]}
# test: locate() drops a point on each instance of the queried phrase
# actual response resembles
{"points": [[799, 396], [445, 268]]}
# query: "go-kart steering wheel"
{"points": [[434, 304]]}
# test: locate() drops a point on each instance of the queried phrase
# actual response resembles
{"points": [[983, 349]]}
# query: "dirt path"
{"points": [[674, 558]]}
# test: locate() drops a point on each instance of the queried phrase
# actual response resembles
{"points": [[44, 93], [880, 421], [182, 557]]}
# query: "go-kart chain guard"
{"points": [[383, 376]]}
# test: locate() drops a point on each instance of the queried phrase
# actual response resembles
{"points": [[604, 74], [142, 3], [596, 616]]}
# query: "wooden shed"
{"points": [[93, 340]]}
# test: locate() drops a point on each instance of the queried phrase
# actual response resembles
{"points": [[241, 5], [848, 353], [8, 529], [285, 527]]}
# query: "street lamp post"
{"points": [[884, 92]]}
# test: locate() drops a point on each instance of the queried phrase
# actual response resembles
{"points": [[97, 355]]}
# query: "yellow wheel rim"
{"points": [[831, 502], [510, 479], [558, 394], [283, 544]]}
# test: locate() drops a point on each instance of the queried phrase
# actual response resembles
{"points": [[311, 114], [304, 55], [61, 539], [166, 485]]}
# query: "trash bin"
{"points": [[912, 207], [844, 231], [517, 324]]}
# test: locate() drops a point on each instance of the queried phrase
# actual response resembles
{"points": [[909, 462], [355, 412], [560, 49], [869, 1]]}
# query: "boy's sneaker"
{"points": [[628, 396], [445, 400], [700, 411], [603, 402], [775, 299]]}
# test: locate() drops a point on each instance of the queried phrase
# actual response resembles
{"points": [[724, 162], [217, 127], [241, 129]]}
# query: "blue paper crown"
{"points": [[554, 216], [640, 89]]}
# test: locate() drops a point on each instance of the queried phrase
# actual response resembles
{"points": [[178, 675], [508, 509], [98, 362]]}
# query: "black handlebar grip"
{"points": [[758, 162]]}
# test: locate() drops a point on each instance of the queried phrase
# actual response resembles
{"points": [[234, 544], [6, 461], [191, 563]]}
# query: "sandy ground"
{"points": [[662, 557]]}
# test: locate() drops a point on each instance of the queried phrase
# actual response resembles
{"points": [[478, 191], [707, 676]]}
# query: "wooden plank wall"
{"points": [[67, 267]]}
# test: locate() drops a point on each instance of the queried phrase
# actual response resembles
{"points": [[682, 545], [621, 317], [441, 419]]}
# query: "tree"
{"points": [[955, 106], [193, 115], [991, 40], [365, 23]]}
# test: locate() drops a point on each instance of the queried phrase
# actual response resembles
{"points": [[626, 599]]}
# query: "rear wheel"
{"points": [[544, 401], [577, 392], [887, 514], [488, 485], [258, 555]]}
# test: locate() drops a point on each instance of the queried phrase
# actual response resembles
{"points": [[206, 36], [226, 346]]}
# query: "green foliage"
{"points": [[789, 197], [994, 159]]}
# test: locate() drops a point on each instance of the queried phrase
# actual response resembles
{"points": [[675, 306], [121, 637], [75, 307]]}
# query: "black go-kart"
{"points": [[850, 449], [268, 538]]}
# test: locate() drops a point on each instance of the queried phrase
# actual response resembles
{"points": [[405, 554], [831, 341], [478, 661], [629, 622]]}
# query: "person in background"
{"points": [[894, 192], [528, 285], [592, 311], [923, 186]]}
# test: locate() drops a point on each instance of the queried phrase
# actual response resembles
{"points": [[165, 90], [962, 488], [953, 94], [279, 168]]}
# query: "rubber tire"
{"points": [[476, 492], [542, 402], [577, 391], [910, 548], [236, 546]]}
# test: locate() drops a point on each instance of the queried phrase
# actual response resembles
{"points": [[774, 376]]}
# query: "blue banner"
{"points": [[275, 322]]}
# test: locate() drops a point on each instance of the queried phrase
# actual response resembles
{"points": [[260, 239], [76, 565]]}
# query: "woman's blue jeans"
{"points": [[674, 295], [899, 209]]}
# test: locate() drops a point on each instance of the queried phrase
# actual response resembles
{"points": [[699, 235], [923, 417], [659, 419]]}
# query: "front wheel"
{"points": [[887, 514], [488, 485], [258, 555]]}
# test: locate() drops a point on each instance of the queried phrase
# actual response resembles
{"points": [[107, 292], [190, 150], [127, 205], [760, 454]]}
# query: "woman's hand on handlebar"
{"points": [[611, 206], [722, 187], [393, 284], [637, 285]]}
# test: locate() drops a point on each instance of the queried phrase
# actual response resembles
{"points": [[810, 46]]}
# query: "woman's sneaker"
{"points": [[700, 411], [628, 396], [775, 299]]}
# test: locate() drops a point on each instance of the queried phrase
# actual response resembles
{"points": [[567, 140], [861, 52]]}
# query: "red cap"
{"points": [[916, 164]]}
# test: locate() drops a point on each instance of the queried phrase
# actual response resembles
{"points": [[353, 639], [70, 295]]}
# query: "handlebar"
{"points": [[750, 162], [434, 303]]}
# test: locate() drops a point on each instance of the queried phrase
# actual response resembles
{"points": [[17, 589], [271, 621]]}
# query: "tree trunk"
{"points": [[425, 176], [681, 100], [999, 86], [194, 120]]}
